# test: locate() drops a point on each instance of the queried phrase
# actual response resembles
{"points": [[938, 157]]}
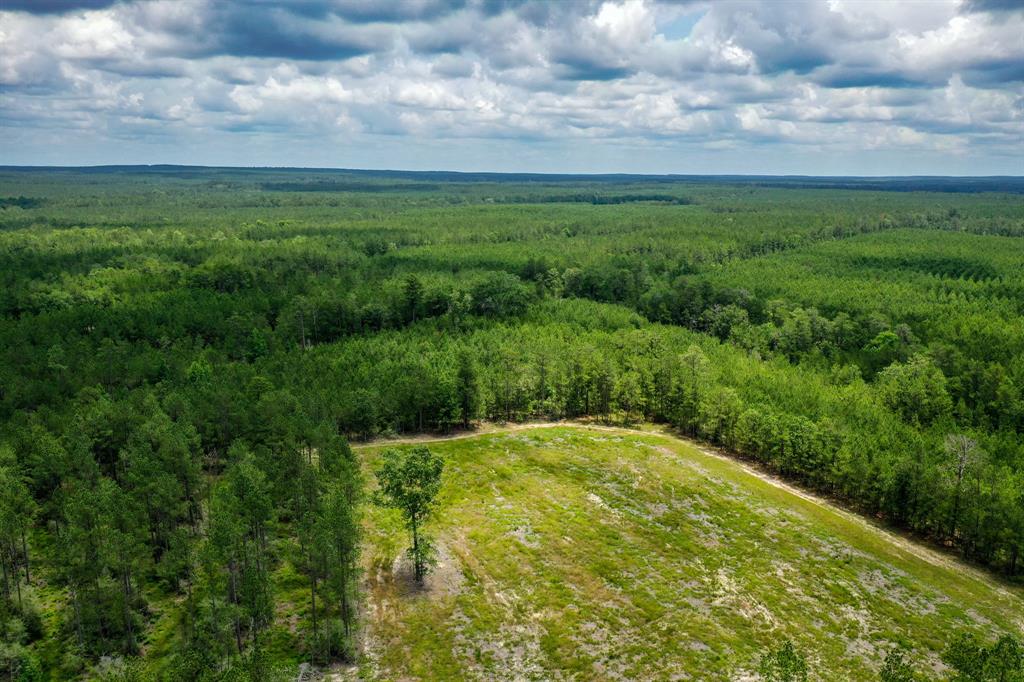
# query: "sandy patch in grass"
{"points": [[525, 534], [444, 579], [511, 653]]}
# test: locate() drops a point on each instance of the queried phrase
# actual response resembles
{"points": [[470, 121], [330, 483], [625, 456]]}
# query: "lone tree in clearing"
{"points": [[409, 481]]}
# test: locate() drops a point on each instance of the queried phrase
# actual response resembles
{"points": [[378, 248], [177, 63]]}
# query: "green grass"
{"points": [[572, 553]]}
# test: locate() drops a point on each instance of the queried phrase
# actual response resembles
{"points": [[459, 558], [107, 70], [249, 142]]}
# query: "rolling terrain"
{"points": [[568, 552], [176, 343]]}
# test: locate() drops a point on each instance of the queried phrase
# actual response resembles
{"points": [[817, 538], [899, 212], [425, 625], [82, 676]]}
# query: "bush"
{"points": [[784, 664]]}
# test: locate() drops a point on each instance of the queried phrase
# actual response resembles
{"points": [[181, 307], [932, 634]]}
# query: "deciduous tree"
{"points": [[409, 481]]}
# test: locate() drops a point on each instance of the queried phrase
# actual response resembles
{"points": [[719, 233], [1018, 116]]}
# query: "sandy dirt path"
{"points": [[901, 542]]}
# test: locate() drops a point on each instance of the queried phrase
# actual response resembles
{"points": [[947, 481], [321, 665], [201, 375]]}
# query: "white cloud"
{"points": [[630, 22], [842, 75], [91, 35]]}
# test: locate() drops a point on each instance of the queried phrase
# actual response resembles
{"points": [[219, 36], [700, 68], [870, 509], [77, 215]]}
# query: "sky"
{"points": [[822, 87]]}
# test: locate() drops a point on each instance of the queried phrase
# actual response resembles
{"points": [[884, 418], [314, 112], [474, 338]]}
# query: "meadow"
{"points": [[606, 553]]}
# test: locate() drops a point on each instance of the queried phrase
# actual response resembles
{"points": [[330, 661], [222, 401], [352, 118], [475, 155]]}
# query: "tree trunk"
{"points": [[78, 619], [191, 507], [416, 552], [233, 596], [346, 616], [956, 512], [126, 586], [24, 550], [7, 583], [17, 586], [312, 595]]}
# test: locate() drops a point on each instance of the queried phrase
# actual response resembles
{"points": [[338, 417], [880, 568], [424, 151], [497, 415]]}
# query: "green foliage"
{"points": [[896, 668], [17, 662], [339, 532], [17, 511], [409, 481], [467, 389], [974, 661], [181, 356], [915, 390], [499, 294], [783, 664]]}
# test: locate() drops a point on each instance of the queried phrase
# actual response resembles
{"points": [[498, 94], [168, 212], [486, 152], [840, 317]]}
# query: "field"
{"points": [[189, 355], [597, 553]]}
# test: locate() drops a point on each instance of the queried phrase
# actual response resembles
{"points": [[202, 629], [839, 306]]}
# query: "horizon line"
{"points": [[175, 166]]}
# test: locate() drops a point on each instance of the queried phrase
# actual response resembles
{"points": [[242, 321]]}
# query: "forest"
{"points": [[190, 358]]}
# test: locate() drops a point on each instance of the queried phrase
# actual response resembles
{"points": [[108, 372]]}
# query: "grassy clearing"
{"points": [[574, 553]]}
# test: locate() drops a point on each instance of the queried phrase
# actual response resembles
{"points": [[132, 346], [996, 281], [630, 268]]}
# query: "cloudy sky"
{"points": [[777, 86]]}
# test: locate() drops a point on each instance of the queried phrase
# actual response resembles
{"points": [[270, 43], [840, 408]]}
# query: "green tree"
{"points": [[629, 394], [784, 664], [500, 295], [156, 491], [694, 378], [915, 390], [340, 532], [84, 565], [467, 388], [221, 559], [963, 454], [235, 556], [124, 549], [717, 413], [409, 481], [16, 660], [974, 661], [412, 296], [311, 541], [17, 509], [896, 668]]}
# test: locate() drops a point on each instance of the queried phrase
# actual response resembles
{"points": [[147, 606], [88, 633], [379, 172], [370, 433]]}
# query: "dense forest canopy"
{"points": [[186, 353]]}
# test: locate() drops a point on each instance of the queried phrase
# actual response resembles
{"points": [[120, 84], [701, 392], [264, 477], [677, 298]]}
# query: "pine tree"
{"points": [[409, 481]]}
